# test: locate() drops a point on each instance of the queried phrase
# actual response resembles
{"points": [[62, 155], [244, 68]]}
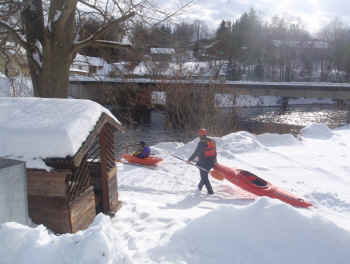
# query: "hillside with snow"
{"points": [[164, 219]]}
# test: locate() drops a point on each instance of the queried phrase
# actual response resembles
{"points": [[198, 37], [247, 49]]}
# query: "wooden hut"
{"points": [[71, 173]]}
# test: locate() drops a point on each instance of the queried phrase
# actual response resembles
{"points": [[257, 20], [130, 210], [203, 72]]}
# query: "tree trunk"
{"points": [[50, 43], [50, 51], [53, 78]]}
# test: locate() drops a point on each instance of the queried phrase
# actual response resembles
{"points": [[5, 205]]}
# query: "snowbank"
{"points": [[164, 219], [99, 244], [318, 131], [254, 234]]}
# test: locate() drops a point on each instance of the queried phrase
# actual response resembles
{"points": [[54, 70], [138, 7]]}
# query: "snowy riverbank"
{"points": [[165, 220]]}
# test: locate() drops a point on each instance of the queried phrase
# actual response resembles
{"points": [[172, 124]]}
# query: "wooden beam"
{"points": [[104, 171], [104, 119], [44, 183]]}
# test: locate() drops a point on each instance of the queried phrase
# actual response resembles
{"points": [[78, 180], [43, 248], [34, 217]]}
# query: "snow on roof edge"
{"points": [[32, 129]]}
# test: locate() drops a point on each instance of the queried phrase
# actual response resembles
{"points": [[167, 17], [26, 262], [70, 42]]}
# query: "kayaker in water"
{"points": [[143, 150], [206, 154]]}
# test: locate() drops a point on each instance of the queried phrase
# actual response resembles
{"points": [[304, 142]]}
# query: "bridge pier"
{"points": [[284, 105], [131, 103], [340, 103], [192, 107]]}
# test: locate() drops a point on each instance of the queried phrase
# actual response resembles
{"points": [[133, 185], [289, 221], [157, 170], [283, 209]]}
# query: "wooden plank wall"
{"points": [[48, 202], [42, 183], [82, 210], [113, 195], [108, 170], [52, 212]]}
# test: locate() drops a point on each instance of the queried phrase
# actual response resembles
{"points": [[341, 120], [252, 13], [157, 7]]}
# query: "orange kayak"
{"points": [[151, 160], [253, 184], [217, 175]]}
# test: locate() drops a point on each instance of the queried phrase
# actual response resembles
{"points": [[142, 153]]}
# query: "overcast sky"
{"points": [[313, 13]]}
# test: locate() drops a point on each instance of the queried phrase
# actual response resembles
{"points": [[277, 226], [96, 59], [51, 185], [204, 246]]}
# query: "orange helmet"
{"points": [[202, 132]]}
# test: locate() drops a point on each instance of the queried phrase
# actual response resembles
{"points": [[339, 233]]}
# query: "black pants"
{"points": [[205, 181], [207, 164]]}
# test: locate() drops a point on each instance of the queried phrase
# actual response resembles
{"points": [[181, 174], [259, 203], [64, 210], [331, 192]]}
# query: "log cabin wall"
{"points": [[83, 210], [49, 202]]}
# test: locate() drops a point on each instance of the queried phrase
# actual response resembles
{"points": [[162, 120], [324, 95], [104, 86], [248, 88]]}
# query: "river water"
{"points": [[303, 115], [152, 133], [253, 119]]}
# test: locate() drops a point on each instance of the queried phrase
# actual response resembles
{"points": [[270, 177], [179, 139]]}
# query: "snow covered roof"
{"points": [[301, 44], [32, 129], [78, 71], [164, 51], [88, 60]]}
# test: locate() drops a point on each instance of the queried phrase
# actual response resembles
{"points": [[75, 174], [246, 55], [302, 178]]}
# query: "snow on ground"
{"points": [[17, 86], [165, 220], [4, 85]]}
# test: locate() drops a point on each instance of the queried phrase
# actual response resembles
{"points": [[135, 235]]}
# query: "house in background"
{"points": [[13, 60], [162, 54], [87, 65], [160, 63]]}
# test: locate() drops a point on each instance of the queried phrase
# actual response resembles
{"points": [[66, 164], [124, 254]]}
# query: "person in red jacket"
{"points": [[206, 154]]}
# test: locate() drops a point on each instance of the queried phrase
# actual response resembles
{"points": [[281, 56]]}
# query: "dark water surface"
{"points": [[152, 134], [253, 119]]}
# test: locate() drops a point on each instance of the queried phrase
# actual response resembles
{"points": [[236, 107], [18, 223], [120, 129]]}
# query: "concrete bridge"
{"points": [[339, 91], [91, 88], [131, 99]]}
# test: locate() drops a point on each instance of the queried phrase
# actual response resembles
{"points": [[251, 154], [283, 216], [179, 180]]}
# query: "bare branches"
{"points": [[88, 41], [68, 9], [109, 44], [119, 7], [92, 6], [174, 13], [159, 15], [52, 31], [17, 37]]}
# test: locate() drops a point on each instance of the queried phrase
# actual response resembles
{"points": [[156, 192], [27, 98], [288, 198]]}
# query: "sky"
{"points": [[164, 218], [313, 13]]}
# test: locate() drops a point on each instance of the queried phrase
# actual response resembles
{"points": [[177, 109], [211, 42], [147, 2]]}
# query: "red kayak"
{"points": [[252, 183], [151, 160]]}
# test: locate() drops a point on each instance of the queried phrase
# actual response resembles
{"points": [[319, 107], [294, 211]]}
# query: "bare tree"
{"points": [[48, 30], [201, 30]]}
